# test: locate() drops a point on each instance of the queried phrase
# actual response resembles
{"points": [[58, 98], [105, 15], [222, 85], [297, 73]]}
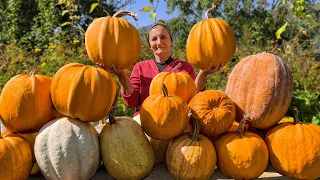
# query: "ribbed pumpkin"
{"points": [[210, 41], [214, 110], [15, 158], [126, 151], [295, 149], [241, 154], [178, 83], [261, 85], [191, 156], [83, 92], [25, 103], [163, 116], [68, 149], [112, 40]]}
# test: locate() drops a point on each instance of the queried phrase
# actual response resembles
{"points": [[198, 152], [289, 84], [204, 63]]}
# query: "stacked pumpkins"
{"points": [[192, 132]]}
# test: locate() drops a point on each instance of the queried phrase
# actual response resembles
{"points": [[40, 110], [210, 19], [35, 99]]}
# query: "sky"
{"points": [[143, 17]]}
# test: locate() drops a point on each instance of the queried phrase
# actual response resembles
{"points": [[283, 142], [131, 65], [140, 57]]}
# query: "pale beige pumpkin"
{"points": [[294, 149], [191, 156], [83, 92], [67, 148], [261, 85], [113, 40], [210, 41], [178, 83], [15, 157], [25, 102]]}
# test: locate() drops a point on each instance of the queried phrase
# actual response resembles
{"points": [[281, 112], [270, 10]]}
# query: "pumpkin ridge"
{"points": [[212, 27], [101, 38], [221, 33]]}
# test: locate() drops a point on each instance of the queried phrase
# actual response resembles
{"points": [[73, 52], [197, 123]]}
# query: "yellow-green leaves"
{"points": [[281, 30]]}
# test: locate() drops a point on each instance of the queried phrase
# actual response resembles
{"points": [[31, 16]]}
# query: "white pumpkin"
{"points": [[67, 148]]}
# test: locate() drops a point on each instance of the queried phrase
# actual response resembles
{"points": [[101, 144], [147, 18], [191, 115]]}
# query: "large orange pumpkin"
{"points": [[112, 40], [210, 41], [25, 102], [191, 156], [241, 154], [214, 110], [295, 149], [178, 83], [261, 85], [83, 92], [163, 116], [15, 157]]}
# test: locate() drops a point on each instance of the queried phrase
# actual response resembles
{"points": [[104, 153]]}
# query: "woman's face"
{"points": [[160, 42]]}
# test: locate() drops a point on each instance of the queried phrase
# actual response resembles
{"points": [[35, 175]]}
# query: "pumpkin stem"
{"points": [[177, 67], [296, 115], [214, 5], [165, 90], [35, 70], [246, 117], [114, 107], [126, 12], [195, 136]]}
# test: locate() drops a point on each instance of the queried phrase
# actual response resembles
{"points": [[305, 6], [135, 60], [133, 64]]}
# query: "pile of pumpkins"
{"points": [[47, 123]]}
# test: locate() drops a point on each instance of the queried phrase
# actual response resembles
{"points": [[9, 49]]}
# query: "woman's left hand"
{"points": [[212, 70]]}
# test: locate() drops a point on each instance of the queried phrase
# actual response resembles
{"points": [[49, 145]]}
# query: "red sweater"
{"points": [[141, 77]]}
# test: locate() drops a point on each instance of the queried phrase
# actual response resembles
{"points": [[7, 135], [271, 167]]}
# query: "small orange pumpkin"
{"points": [[191, 156], [163, 116], [214, 110], [83, 92], [25, 102], [295, 149], [241, 154], [180, 84], [210, 41], [112, 40]]}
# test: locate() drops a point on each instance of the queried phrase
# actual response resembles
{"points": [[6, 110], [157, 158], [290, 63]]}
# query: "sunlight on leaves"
{"points": [[281, 30], [153, 16], [146, 9], [93, 6]]}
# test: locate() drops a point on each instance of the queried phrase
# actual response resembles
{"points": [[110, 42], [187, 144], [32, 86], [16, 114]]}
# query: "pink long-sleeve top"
{"points": [[141, 77]]}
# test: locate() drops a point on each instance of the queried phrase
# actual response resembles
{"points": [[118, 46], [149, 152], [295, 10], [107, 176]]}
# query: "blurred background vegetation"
{"points": [[50, 34]]}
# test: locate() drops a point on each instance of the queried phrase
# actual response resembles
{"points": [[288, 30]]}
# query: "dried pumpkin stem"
{"points": [[126, 12], [35, 70], [195, 136], [214, 5], [165, 90], [246, 117], [114, 107], [296, 115], [177, 67]]}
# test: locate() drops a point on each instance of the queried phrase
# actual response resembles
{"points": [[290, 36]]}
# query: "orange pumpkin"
{"points": [[214, 110], [191, 156], [15, 157], [163, 116], [261, 85], [295, 149], [210, 41], [180, 84], [83, 92], [241, 155], [25, 102], [112, 40]]}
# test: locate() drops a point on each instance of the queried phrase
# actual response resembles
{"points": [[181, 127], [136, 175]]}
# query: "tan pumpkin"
{"points": [[163, 116], [261, 85], [178, 83], [126, 151], [15, 157], [67, 148], [241, 154], [191, 156], [25, 102], [214, 110], [295, 149], [210, 41], [113, 40], [83, 92]]}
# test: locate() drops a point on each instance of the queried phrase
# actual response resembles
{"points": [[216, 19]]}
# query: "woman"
{"points": [[135, 90]]}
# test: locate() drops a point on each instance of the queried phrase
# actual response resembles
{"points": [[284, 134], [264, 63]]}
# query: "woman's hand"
{"points": [[121, 73], [211, 69]]}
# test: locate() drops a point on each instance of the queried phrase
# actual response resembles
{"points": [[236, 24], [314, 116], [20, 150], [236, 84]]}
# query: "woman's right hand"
{"points": [[121, 73]]}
